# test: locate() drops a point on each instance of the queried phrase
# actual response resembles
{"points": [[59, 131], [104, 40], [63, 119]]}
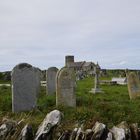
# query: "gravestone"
{"points": [[138, 73], [38, 76], [51, 80], [133, 85], [65, 86], [25, 87], [96, 88]]}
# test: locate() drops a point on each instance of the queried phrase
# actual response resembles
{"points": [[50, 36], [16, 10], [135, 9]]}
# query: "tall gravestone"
{"points": [[38, 76], [133, 85], [51, 80], [65, 87], [138, 73], [25, 87]]}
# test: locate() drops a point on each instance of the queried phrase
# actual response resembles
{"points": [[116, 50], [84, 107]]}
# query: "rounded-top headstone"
{"points": [[51, 80], [65, 86], [24, 87]]}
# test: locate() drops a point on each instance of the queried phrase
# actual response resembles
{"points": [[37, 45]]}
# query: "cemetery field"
{"points": [[111, 107]]}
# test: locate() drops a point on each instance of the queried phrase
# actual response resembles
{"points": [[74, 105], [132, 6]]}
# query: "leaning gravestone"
{"points": [[24, 87], [133, 85], [51, 80], [65, 85]]}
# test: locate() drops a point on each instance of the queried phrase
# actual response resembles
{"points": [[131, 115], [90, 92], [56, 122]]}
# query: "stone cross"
{"points": [[97, 72], [96, 88]]}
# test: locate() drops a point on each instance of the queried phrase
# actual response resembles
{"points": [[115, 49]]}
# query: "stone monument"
{"points": [[96, 88], [65, 88], [25, 82], [51, 80], [133, 83]]}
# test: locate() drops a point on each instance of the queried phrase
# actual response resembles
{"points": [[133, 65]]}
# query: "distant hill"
{"points": [[115, 72]]}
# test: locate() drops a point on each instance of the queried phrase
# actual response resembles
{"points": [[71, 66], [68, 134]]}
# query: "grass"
{"points": [[110, 107], [5, 82]]}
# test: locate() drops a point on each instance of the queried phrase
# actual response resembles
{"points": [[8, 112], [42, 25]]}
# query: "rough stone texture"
{"points": [[100, 131], [118, 133], [26, 133], [74, 134], [134, 131], [25, 87], [109, 136], [88, 134], [7, 128], [126, 128], [80, 135], [13, 130], [45, 130], [133, 85], [51, 80], [65, 86], [66, 136]]}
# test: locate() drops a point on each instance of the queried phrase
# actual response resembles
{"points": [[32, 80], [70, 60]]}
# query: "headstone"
{"points": [[24, 87], [38, 79], [133, 85], [138, 73], [96, 88], [51, 80], [65, 86]]}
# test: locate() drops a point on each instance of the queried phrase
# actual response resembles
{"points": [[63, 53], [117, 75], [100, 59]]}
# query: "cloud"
{"points": [[43, 32], [122, 62]]}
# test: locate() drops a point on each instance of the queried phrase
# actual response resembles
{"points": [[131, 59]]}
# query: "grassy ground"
{"points": [[5, 82], [110, 107]]}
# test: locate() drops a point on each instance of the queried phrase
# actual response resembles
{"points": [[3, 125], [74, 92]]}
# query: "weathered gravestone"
{"points": [[51, 80], [133, 85], [138, 73], [38, 76], [65, 85], [25, 87]]}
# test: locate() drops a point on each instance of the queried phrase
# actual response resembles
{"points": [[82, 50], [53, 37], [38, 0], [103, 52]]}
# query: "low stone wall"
{"points": [[49, 130]]}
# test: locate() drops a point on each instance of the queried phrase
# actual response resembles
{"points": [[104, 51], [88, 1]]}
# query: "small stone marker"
{"points": [[51, 80], [133, 85], [24, 87], [65, 85]]}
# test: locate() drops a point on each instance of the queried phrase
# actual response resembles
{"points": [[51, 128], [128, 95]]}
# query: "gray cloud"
{"points": [[43, 32]]}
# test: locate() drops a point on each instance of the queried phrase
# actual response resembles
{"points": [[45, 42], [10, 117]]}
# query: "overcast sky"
{"points": [[42, 32]]}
